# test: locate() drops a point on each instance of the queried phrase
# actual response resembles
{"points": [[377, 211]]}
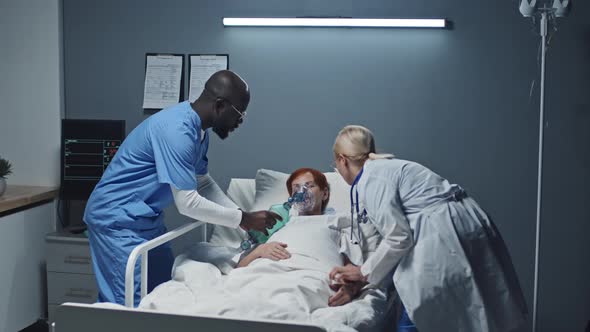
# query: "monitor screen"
{"points": [[88, 146]]}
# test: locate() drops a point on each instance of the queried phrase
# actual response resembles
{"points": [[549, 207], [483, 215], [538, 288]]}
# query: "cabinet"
{"points": [[70, 277]]}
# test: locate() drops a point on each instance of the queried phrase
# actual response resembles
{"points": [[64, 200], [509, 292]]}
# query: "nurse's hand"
{"points": [[259, 220], [347, 274]]}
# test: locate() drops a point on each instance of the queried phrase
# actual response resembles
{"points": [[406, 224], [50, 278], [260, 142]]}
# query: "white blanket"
{"points": [[293, 289]]}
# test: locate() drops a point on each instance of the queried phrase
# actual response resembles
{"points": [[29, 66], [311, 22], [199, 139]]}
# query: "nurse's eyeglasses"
{"points": [[242, 114]]}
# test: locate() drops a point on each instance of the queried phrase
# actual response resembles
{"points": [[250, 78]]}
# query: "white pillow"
{"points": [[242, 192], [339, 192], [271, 188]]}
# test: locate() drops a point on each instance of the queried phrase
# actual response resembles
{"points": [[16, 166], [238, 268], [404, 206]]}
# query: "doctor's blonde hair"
{"points": [[357, 144]]}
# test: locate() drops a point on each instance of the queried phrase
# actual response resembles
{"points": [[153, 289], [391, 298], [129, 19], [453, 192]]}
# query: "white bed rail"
{"points": [[142, 250]]}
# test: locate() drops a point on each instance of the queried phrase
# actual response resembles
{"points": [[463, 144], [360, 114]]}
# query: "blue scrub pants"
{"points": [[405, 323], [110, 249]]}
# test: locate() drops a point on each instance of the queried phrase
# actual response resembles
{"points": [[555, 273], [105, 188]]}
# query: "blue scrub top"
{"points": [[165, 149]]}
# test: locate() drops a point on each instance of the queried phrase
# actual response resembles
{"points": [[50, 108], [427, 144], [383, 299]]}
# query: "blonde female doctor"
{"points": [[452, 269]]}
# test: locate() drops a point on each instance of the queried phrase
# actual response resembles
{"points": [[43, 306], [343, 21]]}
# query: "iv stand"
{"points": [[543, 27]]}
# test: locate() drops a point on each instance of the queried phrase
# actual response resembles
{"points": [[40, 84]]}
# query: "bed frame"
{"points": [[75, 317], [142, 251]]}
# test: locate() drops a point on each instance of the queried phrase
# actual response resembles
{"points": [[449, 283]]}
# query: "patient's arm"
{"points": [[271, 250]]}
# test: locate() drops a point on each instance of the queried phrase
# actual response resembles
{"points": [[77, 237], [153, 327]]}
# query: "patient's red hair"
{"points": [[318, 177]]}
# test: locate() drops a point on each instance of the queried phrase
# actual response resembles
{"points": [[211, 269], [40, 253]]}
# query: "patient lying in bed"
{"points": [[286, 278], [317, 183]]}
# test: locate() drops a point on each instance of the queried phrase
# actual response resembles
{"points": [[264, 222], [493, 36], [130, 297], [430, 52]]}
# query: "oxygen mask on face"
{"points": [[302, 200]]}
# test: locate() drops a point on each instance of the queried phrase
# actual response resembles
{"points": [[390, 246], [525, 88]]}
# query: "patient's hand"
{"points": [[345, 293], [271, 250]]}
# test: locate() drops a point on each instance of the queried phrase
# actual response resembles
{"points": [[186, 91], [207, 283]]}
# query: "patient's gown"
{"points": [[453, 272]]}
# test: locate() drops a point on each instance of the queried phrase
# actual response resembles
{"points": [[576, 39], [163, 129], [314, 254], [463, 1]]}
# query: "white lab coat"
{"points": [[453, 270]]}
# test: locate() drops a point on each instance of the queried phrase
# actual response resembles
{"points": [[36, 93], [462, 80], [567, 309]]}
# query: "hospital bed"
{"points": [[109, 317]]}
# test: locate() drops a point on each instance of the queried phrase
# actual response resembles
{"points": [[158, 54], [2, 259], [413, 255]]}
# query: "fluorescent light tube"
{"points": [[335, 22]]}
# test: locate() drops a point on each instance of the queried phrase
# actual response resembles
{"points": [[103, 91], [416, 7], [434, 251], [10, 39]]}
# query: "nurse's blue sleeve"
{"points": [[203, 166], [174, 155]]}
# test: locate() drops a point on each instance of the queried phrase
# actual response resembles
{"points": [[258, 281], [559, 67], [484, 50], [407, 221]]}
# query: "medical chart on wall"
{"points": [[202, 66], [163, 80]]}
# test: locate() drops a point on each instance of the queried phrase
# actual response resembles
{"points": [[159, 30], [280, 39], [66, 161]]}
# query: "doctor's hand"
{"points": [[344, 293], [259, 220], [347, 274]]}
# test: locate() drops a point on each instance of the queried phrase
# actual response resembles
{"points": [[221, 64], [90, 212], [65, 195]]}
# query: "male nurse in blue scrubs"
{"points": [[164, 160]]}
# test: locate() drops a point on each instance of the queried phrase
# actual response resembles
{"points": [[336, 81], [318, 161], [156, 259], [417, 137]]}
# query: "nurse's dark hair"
{"points": [[318, 177], [357, 143]]}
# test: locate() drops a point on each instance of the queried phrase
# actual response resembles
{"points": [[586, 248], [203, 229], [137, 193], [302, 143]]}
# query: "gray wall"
{"points": [[456, 100], [31, 90], [31, 101]]}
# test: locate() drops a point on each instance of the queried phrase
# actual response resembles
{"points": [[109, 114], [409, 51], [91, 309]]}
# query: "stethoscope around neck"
{"points": [[354, 207]]}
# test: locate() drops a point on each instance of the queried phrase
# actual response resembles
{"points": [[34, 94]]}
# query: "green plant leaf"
{"points": [[5, 168]]}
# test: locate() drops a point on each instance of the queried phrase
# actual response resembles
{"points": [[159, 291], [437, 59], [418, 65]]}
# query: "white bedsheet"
{"points": [[293, 289]]}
